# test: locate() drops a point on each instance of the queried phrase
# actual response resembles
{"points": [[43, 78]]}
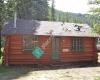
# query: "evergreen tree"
{"points": [[24, 9], [40, 9], [53, 11], [1, 20], [96, 12], [33, 9], [2, 15]]}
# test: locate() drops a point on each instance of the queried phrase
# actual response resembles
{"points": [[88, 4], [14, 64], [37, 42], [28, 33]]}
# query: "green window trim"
{"points": [[77, 44], [30, 42]]}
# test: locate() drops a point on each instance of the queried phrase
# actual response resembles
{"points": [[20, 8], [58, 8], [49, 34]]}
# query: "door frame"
{"points": [[51, 52]]}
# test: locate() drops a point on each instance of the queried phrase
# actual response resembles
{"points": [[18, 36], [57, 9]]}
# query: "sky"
{"points": [[75, 6]]}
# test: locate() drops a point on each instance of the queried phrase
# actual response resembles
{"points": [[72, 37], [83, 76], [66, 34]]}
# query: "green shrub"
{"points": [[0, 54]]}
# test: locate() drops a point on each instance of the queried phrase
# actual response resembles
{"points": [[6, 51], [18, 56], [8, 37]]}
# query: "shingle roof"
{"points": [[22, 27], [45, 27]]}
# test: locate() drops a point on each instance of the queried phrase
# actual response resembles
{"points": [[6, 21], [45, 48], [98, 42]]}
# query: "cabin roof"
{"points": [[22, 27], [47, 28]]}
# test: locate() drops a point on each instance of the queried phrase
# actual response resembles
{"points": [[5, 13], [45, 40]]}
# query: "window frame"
{"points": [[77, 44], [34, 39]]}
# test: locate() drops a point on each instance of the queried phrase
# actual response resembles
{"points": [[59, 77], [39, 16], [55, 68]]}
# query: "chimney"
{"points": [[15, 15], [15, 18]]}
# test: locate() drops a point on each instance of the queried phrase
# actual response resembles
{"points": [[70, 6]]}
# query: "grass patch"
{"points": [[97, 78], [3, 69], [0, 61]]}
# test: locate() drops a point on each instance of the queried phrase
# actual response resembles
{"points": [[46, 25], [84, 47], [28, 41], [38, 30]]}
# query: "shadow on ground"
{"points": [[14, 72]]}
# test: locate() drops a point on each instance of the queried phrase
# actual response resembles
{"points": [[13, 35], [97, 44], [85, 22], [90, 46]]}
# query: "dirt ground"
{"points": [[54, 72]]}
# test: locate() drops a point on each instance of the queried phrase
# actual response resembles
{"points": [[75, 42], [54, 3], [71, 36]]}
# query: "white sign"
{"points": [[65, 50]]}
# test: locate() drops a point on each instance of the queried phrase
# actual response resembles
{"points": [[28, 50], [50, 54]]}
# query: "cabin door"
{"points": [[55, 49]]}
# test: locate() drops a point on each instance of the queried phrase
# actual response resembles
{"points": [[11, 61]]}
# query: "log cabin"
{"points": [[47, 42]]}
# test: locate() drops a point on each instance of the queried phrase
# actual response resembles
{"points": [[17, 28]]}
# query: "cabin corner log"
{"points": [[95, 61], [6, 50]]}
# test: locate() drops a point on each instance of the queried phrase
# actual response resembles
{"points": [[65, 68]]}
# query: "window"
{"points": [[29, 42], [35, 41], [98, 41], [77, 44]]}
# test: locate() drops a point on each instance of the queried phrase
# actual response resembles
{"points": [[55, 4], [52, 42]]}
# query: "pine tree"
{"points": [[53, 11], [1, 20], [24, 9], [33, 9], [40, 11], [2, 15], [96, 12]]}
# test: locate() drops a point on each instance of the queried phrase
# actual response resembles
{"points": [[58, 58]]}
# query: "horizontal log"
{"points": [[76, 60], [28, 62]]}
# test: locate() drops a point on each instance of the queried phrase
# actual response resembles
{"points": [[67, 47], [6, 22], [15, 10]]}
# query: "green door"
{"points": [[55, 49]]}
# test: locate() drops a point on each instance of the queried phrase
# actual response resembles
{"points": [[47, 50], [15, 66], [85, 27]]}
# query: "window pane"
{"points": [[29, 42], [77, 44], [35, 40]]}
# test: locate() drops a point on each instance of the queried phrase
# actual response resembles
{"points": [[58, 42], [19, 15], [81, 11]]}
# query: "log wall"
{"points": [[14, 53]]}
